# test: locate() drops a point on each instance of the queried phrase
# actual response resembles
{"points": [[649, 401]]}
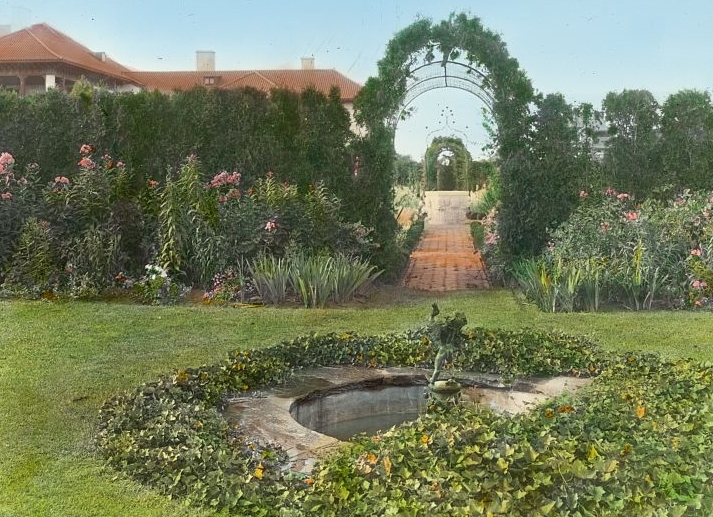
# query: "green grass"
{"points": [[60, 361]]}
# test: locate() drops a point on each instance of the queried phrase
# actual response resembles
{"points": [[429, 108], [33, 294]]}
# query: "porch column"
{"points": [[50, 81], [22, 86]]}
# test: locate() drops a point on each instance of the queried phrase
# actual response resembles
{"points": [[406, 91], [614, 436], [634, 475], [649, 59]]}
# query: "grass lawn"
{"points": [[60, 361]]}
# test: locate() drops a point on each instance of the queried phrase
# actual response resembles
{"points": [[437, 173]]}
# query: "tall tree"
{"points": [[687, 134], [632, 158], [548, 172]]}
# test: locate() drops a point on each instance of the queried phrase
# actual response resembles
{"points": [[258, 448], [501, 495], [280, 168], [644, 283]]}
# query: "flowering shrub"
{"points": [[156, 287], [633, 254], [230, 286], [16, 205]]}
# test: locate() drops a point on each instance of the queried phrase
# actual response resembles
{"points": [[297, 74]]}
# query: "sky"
{"points": [[582, 49]]}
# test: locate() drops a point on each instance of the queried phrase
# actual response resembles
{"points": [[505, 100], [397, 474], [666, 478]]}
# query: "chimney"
{"points": [[308, 63], [101, 56], [205, 61], [5, 30]]}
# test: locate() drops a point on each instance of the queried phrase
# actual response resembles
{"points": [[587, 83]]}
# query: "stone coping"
{"points": [[265, 416]]}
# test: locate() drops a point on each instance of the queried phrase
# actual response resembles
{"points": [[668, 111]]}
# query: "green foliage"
{"points": [[632, 157], [271, 278], [641, 256], [17, 205], [349, 276], [636, 442], [687, 139], [32, 267], [168, 433], [545, 171], [448, 165], [311, 277], [407, 172], [629, 445]]}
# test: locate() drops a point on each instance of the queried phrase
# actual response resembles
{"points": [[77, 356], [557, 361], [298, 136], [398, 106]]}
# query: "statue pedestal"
{"points": [[445, 390]]}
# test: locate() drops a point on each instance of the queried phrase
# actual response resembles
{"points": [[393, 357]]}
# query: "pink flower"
{"points": [[583, 193], [61, 180], [699, 284], [153, 183], [696, 252], [271, 226], [86, 163], [223, 178], [234, 193], [6, 195], [622, 196], [86, 149], [22, 181], [610, 192], [6, 159], [631, 216], [604, 226], [120, 164], [698, 303], [222, 199]]}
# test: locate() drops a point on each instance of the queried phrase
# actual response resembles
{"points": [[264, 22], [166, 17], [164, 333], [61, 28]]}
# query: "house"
{"points": [[40, 57]]}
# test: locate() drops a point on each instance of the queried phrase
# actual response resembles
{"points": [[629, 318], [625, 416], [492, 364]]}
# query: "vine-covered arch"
{"points": [[452, 176], [460, 42], [490, 69]]}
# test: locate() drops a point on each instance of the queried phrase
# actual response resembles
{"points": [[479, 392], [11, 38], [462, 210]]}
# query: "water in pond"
{"points": [[367, 409]]}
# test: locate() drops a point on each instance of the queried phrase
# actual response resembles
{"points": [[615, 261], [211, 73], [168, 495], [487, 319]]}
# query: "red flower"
{"points": [[86, 149]]}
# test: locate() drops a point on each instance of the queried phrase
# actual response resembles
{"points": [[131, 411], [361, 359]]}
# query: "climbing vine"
{"points": [[450, 174], [459, 38]]}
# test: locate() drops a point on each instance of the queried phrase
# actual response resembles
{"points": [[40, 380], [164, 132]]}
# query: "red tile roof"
{"points": [[44, 44], [265, 80]]}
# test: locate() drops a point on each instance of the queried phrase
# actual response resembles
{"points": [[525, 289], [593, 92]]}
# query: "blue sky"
{"points": [[583, 49]]}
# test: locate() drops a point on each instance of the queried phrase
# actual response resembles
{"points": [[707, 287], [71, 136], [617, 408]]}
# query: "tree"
{"points": [[407, 172], [547, 172], [687, 139], [632, 159]]}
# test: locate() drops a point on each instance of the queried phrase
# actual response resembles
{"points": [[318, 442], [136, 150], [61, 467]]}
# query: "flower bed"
{"points": [[637, 442]]}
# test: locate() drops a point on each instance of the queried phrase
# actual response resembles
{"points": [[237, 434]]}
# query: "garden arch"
{"points": [[456, 53], [453, 176], [483, 67]]}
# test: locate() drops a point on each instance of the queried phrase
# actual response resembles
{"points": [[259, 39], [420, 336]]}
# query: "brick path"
{"points": [[444, 259]]}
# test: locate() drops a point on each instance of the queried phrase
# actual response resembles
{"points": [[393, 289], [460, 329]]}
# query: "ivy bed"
{"points": [[637, 441]]}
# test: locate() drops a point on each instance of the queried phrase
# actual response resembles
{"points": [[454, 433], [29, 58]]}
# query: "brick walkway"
{"points": [[445, 259]]}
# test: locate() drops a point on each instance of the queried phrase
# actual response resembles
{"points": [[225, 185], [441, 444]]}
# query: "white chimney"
{"points": [[5, 29], [205, 61], [308, 63]]}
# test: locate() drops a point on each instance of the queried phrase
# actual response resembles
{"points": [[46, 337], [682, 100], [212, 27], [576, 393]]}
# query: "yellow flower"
{"points": [[626, 450], [371, 458], [309, 481], [549, 413], [641, 411], [425, 439], [259, 470]]}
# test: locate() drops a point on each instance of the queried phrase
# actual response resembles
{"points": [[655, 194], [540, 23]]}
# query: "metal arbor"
{"points": [[444, 74]]}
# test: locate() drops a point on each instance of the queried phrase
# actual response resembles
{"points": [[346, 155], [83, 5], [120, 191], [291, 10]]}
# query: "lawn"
{"points": [[60, 361]]}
